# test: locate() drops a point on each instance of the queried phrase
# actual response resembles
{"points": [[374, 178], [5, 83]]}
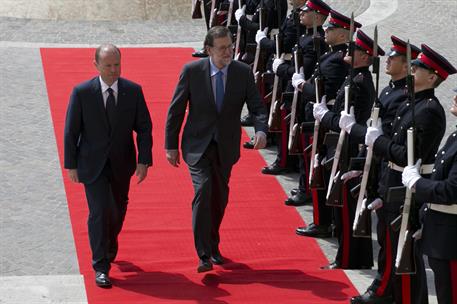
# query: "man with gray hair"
{"points": [[215, 90]]}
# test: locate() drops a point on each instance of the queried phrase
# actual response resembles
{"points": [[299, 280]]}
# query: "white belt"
{"points": [[331, 102], [424, 169], [287, 56], [451, 209], [273, 32]]}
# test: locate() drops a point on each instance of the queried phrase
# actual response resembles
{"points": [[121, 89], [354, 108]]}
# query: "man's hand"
{"points": [[347, 120], [411, 175], [276, 63], [350, 175], [261, 35], [375, 204], [73, 175], [239, 13], [298, 79], [320, 109], [173, 157], [141, 172], [260, 140], [373, 133]]}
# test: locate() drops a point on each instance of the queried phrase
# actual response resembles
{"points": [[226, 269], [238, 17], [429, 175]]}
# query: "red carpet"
{"points": [[157, 263]]}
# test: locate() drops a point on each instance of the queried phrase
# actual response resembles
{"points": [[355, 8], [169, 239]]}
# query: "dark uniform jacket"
{"points": [[439, 234], [309, 55], [363, 96], [271, 18], [332, 69], [430, 124], [389, 100]]}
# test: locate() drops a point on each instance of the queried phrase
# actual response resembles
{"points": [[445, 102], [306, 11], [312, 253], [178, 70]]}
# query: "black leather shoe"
{"points": [[200, 54], [371, 297], [274, 169], [216, 257], [246, 121], [319, 231], [204, 265], [332, 265], [102, 280], [249, 144], [298, 199], [294, 191]]}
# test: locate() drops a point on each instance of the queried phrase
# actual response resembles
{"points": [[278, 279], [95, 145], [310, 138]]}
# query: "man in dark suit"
{"points": [[215, 90], [99, 151]]}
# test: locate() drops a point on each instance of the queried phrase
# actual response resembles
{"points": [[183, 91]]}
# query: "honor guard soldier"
{"points": [[439, 230], [332, 69], [389, 100], [290, 31], [429, 121], [285, 69], [312, 14], [353, 253]]}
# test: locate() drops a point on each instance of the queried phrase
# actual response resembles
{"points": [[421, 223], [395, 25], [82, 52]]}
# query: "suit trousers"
{"points": [[107, 199], [210, 180]]}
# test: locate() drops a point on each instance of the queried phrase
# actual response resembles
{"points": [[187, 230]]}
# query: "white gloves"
{"points": [[350, 175], [373, 133], [276, 63], [347, 120], [261, 35], [316, 161], [298, 79], [319, 109], [376, 204], [240, 12], [411, 175]]}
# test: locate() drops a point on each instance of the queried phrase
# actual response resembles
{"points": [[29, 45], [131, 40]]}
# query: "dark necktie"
{"points": [[219, 90], [110, 107]]}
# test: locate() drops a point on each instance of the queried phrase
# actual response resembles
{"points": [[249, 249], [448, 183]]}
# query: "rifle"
{"points": [[316, 177], [294, 144], [212, 16], [405, 262], [197, 9], [257, 50], [238, 37], [362, 221], [336, 199], [229, 14], [275, 124]]}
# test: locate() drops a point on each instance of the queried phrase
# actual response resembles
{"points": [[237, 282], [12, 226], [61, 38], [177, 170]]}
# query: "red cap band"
{"points": [[365, 46], [315, 7], [438, 70], [340, 23]]}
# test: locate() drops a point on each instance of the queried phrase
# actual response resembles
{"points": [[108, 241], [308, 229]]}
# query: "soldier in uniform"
{"points": [[390, 98], [250, 26], [332, 69], [353, 253], [439, 230], [429, 70], [289, 35], [314, 11]]}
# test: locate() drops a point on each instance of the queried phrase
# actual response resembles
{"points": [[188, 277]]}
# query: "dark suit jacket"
{"points": [[88, 142], [203, 121]]}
